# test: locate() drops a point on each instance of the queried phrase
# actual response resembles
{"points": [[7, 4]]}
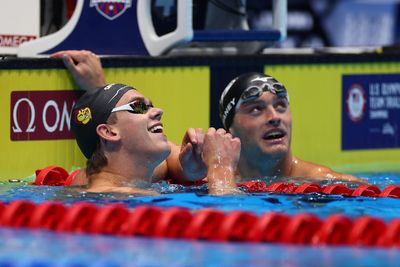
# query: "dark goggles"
{"points": [[255, 91], [135, 107]]}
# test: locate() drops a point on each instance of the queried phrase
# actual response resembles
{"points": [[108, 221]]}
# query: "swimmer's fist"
{"points": [[221, 149]]}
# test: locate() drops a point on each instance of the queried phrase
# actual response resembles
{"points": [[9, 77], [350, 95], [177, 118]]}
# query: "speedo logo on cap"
{"points": [[228, 109], [226, 90], [263, 79], [108, 86], [83, 115], [116, 93]]}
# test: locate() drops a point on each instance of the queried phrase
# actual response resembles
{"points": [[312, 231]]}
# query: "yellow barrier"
{"points": [[316, 93], [183, 92]]}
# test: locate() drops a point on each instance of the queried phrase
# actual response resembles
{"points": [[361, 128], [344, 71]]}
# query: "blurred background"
{"points": [[311, 23], [327, 23]]}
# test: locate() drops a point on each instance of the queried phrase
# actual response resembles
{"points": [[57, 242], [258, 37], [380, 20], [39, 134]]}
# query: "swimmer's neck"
{"points": [[266, 167], [120, 172], [110, 179]]}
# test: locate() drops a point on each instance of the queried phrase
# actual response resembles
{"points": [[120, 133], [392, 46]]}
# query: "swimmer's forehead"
{"points": [[132, 96], [261, 99]]}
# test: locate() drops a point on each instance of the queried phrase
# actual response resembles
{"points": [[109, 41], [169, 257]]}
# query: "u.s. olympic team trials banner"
{"points": [[370, 111]]}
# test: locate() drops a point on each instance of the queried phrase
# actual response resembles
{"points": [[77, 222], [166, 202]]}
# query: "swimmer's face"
{"points": [[264, 126], [141, 134]]}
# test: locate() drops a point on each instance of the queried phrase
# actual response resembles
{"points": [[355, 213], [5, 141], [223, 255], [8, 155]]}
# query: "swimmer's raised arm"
{"points": [[84, 66], [221, 154]]}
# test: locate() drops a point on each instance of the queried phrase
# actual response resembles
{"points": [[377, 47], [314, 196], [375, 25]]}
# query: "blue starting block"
{"points": [[125, 27]]}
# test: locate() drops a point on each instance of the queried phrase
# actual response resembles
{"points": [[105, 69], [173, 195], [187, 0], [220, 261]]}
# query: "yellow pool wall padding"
{"points": [[168, 88], [184, 95], [315, 91]]}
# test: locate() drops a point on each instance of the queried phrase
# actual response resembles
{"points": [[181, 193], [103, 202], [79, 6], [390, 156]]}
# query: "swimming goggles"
{"points": [[135, 107], [255, 91]]}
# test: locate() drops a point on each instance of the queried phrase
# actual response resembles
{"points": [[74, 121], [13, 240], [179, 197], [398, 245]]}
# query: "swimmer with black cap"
{"points": [[255, 108], [185, 163], [121, 134]]}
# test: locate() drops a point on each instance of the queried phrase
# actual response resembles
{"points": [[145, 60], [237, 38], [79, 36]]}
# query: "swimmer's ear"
{"points": [[107, 132]]}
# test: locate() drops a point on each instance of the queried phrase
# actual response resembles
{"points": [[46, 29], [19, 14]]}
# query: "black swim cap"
{"points": [[92, 109], [234, 91]]}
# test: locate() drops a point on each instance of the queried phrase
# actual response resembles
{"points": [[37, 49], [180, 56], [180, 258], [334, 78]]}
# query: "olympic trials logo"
{"points": [[111, 9], [356, 102]]}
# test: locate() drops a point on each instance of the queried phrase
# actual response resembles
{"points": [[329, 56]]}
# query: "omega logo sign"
{"points": [[41, 115]]}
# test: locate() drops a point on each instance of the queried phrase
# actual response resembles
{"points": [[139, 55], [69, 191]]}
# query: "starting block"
{"points": [[125, 27]]}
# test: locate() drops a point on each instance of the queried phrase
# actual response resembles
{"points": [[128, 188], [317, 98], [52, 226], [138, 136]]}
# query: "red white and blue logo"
{"points": [[356, 102], [111, 9]]}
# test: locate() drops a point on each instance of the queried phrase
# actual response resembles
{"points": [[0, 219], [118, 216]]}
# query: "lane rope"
{"points": [[57, 176], [203, 224]]}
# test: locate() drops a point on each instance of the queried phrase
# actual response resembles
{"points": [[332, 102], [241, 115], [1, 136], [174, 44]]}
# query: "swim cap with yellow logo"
{"points": [[91, 109]]}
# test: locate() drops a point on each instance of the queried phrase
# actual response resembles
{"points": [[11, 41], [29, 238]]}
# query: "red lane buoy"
{"points": [[52, 175]]}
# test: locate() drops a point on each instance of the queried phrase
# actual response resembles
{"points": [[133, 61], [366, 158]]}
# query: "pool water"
{"points": [[33, 248], [42, 248]]}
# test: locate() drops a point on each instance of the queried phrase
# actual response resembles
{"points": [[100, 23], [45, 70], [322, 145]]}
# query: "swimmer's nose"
{"points": [[275, 122], [273, 117], [156, 113]]}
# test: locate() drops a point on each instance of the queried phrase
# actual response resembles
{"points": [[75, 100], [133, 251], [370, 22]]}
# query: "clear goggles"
{"points": [[135, 107], [255, 91]]}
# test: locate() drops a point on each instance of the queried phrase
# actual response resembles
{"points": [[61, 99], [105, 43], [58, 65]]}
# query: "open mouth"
{"points": [[273, 135], [156, 129]]}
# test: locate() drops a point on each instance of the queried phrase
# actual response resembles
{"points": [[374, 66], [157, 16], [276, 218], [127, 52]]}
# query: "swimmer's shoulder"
{"points": [[302, 168], [308, 169], [80, 178]]}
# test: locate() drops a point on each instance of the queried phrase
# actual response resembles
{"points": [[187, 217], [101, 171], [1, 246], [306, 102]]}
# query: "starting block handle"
{"points": [[138, 34], [279, 17], [36, 47], [157, 45]]}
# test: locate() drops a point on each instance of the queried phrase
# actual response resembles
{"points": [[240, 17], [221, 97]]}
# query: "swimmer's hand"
{"points": [[84, 66], [221, 154], [190, 157]]}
